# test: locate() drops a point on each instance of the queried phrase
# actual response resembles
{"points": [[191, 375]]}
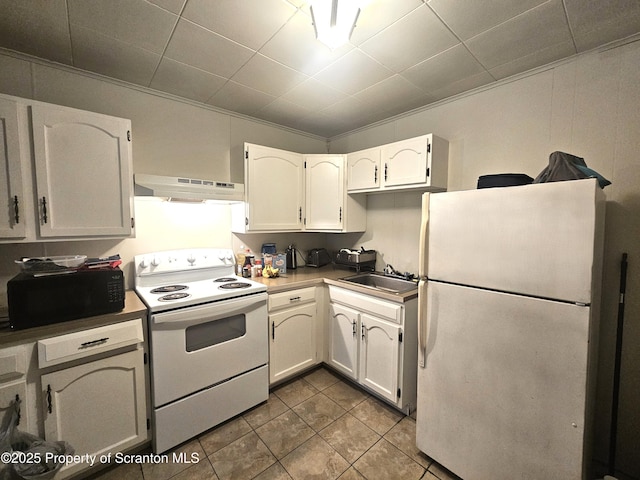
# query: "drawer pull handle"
{"points": [[44, 210], [16, 209], [295, 299], [18, 401], [93, 343], [49, 403]]}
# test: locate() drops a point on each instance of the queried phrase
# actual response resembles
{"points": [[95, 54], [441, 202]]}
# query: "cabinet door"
{"points": [[12, 209], [406, 162], [324, 182], [274, 182], [9, 394], [379, 356], [344, 336], [293, 341], [83, 172], [363, 170], [97, 407]]}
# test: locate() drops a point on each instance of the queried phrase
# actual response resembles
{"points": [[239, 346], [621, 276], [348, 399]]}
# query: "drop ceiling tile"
{"points": [[262, 73], [533, 60], [295, 45], [208, 51], [375, 15], [238, 98], [445, 68], [247, 22], [186, 81], [98, 53], [135, 22], [353, 72], [537, 29], [313, 94], [596, 23], [283, 112], [412, 39], [390, 93], [40, 29], [323, 125], [174, 6], [462, 85], [349, 110], [468, 19]]}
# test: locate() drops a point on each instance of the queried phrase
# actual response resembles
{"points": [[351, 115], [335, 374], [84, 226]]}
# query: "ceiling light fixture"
{"points": [[334, 20]]}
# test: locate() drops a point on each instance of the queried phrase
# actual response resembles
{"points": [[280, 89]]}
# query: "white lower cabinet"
{"points": [[374, 342], [100, 406], [13, 386], [293, 333]]}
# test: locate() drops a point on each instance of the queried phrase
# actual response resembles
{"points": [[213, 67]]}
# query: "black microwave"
{"points": [[36, 300]]}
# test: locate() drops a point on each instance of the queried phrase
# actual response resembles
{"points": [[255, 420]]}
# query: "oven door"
{"points": [[197, 347]]}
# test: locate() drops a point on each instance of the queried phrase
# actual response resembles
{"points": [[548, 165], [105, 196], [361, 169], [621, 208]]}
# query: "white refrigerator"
{"points": [[508, 321]]}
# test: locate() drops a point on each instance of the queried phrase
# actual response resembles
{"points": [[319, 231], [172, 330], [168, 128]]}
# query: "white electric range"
{"points": [[208, 333]]}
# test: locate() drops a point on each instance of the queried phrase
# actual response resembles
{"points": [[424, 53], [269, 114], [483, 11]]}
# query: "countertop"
{"points": [[134, 308], [330, 274]]}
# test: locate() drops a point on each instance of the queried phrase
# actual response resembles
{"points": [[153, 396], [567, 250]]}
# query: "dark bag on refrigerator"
{"points": [[564, 166]]}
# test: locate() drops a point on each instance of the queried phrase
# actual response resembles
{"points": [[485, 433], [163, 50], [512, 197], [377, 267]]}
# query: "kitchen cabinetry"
{"points": [[81, 165], [97, 403], [415, 163], [13, 385], [294, 333], [290, 192], [327, 205], [363, 170], [374, 342], [274, 191], [11, 216]]}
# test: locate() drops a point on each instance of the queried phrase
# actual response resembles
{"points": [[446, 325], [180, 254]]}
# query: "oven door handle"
{"points": [[209, 312]]}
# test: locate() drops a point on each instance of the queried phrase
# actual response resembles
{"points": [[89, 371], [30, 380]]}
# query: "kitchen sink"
{"points": [[381, 282]]}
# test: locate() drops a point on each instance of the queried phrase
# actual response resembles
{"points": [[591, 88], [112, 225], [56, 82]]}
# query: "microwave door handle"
{"points": [[208, 313]]}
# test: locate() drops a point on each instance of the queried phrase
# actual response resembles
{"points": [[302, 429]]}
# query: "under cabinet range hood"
{"points": [[187, 189]]}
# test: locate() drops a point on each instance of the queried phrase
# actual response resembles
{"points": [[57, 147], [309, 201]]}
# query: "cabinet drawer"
{"points": [[293, 297], [73, 346], [13, 363], [365, 303]]}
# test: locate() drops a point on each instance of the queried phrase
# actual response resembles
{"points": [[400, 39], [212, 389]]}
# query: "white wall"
{"points": [[588, 106]]}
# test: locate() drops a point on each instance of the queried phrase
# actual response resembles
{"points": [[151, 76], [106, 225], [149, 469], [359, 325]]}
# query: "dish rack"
{"points": [[360, 260]]}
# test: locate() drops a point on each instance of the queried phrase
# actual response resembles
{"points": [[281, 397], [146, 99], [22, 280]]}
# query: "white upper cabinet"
{"points": [[12, 204], [324, 188], [274, 190], [83, 174], [68, 173], [363, 170], [419, 163], [287, 191]]}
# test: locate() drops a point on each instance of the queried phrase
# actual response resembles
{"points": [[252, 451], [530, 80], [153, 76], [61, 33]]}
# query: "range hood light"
{"points": [[193, 190]]}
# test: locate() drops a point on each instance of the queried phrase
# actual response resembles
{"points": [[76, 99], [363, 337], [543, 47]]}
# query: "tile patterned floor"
{"points": [[317, 426]]}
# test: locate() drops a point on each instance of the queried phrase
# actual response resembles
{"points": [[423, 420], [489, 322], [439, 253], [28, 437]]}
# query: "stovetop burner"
{"points": [[174, 296], [169, 289], [234, 285], [225, 279]]}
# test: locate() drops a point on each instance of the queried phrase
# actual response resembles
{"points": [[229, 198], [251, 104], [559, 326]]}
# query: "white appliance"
{"points": [[208, 333], [508, 321]]}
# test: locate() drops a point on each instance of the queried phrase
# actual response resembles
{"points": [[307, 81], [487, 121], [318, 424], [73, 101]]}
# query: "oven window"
{"points": [[212, 333]]}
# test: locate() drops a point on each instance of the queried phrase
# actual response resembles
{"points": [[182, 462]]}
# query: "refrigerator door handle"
{"points": [[423, 254], [422, 322]]}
